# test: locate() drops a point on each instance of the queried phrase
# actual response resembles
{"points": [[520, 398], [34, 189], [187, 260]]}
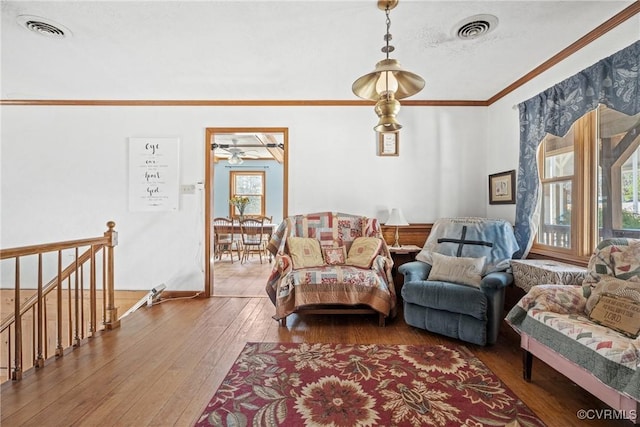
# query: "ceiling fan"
{"points": [[235, 153]]}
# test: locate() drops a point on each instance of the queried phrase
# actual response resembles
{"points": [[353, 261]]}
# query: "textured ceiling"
{"points": [[278, 50]]}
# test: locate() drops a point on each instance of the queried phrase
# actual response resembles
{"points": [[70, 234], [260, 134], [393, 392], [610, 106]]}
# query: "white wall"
{"points": [[64, 169], [503, 126], [64, 174]]}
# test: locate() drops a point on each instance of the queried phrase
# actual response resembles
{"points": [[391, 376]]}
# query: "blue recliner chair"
{"points": [[463, 296]]}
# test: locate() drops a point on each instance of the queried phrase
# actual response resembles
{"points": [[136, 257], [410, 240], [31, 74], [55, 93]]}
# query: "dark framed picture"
{"points": [[502, 188], [388, 143]]}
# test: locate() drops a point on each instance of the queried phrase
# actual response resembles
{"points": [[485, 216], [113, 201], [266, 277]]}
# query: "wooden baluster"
{"points": [[104, 285], [92, 293], [45, 332], [76, 303], [16, 375], [9, 372], [34, 347], [59, 348], [39, 359], [112, 311], [82, 324], [69, 313]]}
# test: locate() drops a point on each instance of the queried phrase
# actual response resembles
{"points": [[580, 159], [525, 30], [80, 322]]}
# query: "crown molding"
{"points": [[602, 29]]}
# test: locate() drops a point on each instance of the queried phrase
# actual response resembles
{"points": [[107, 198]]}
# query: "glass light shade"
{"points": [[386, 83], [235, 159], [408, 82]]}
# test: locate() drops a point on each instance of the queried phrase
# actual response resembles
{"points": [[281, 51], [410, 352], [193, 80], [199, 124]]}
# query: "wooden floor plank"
{"points": [[165, 362]]}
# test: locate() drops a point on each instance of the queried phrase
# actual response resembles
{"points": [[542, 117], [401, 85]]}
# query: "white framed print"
{"points": [[388, 143], [154, 174]]}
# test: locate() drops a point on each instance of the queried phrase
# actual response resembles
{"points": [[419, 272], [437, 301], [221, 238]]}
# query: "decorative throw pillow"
{"points": [[467, 271], [618, 313], [613, 257], [305, 252], [626, 261], [363, 251], [335, 256], [615, 286]]}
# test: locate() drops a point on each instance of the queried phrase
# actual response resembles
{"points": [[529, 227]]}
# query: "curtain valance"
{"points": [[613, 81]]}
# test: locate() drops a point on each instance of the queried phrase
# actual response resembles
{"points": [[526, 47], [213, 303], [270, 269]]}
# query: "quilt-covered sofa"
{"points": [[567, 327], [330, 262]]}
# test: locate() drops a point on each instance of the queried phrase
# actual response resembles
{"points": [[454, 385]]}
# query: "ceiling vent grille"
{"points": [[43, 27], [475, 26]]}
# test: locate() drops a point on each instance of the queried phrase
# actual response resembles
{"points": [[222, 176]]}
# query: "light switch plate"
{"points": [[188, 189]]}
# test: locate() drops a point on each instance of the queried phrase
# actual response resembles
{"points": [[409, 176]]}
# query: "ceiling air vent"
{"points": [[475, 26], [44, 27]]}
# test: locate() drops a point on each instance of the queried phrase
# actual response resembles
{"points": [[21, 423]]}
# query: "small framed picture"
{"points": [[502, 188], [388, 143]]}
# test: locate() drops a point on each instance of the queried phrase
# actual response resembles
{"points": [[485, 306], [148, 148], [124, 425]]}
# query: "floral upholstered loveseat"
{"points": [[331, 263], [569, 327]]}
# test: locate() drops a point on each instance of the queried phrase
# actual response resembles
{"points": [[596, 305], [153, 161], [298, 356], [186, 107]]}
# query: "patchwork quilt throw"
{"points": [[320, 384], [292, 289]]}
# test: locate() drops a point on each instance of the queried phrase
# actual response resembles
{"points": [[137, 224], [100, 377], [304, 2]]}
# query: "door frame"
{"points": [[209, 185]]}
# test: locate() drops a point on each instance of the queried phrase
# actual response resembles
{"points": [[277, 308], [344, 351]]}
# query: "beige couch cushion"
{"points": [[305, 252], [466, 271], [363, 251]]}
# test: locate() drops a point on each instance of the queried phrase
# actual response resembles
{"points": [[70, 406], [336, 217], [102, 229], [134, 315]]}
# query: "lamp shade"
{"points": [[396, 218], [408, 83]]}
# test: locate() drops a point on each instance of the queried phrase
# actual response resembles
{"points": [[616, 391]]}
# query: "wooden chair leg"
{"points": [[239, 250], [283, 322]]}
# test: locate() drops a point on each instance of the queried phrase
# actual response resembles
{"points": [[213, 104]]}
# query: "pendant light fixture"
{"points": [[388, 82]]}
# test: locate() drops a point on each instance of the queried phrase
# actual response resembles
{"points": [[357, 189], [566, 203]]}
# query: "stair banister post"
{"points": [[112, 321]]}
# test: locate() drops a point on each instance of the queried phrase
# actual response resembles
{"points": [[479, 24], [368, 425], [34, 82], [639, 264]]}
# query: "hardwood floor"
{"points": [[164, 363], [235, 279]]}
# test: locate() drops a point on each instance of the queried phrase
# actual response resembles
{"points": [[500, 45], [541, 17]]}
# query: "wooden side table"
{"points": [[401, 255]]}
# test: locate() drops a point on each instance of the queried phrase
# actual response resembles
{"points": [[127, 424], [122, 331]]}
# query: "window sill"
{"points": [[539, 253]]}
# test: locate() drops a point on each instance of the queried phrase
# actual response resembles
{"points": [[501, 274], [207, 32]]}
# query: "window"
{"points": [[590, 185], [252, 185], [618, 184], [557, 180]]}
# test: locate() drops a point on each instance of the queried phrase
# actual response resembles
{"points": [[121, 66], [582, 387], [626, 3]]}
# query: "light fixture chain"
{"points": [[387, 37]]}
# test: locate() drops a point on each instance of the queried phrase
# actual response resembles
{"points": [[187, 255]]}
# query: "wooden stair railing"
{"points": [[33, 311]]}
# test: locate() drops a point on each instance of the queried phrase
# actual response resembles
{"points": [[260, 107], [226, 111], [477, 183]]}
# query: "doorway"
{"points": [[263, 150]]}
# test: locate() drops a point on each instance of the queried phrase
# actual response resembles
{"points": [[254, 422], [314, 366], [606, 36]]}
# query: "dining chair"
{"points": [[266, 236], [225, 241], [252, 230]]}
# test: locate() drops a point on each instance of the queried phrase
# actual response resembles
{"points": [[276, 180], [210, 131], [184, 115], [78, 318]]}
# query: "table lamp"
{"points": [[396, 219]]}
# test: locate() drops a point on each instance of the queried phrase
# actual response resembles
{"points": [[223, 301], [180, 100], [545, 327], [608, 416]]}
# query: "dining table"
{"points": [[267, 228]]}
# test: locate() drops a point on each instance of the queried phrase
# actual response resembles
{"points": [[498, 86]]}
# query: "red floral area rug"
{"points": [[288, 384]]}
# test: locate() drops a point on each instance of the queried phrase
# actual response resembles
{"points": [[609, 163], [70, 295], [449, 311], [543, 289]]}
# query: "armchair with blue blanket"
{"points": [[456, 286]]}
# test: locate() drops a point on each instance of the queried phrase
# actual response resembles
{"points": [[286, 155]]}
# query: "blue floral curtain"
{"points": [[613, 81]]}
